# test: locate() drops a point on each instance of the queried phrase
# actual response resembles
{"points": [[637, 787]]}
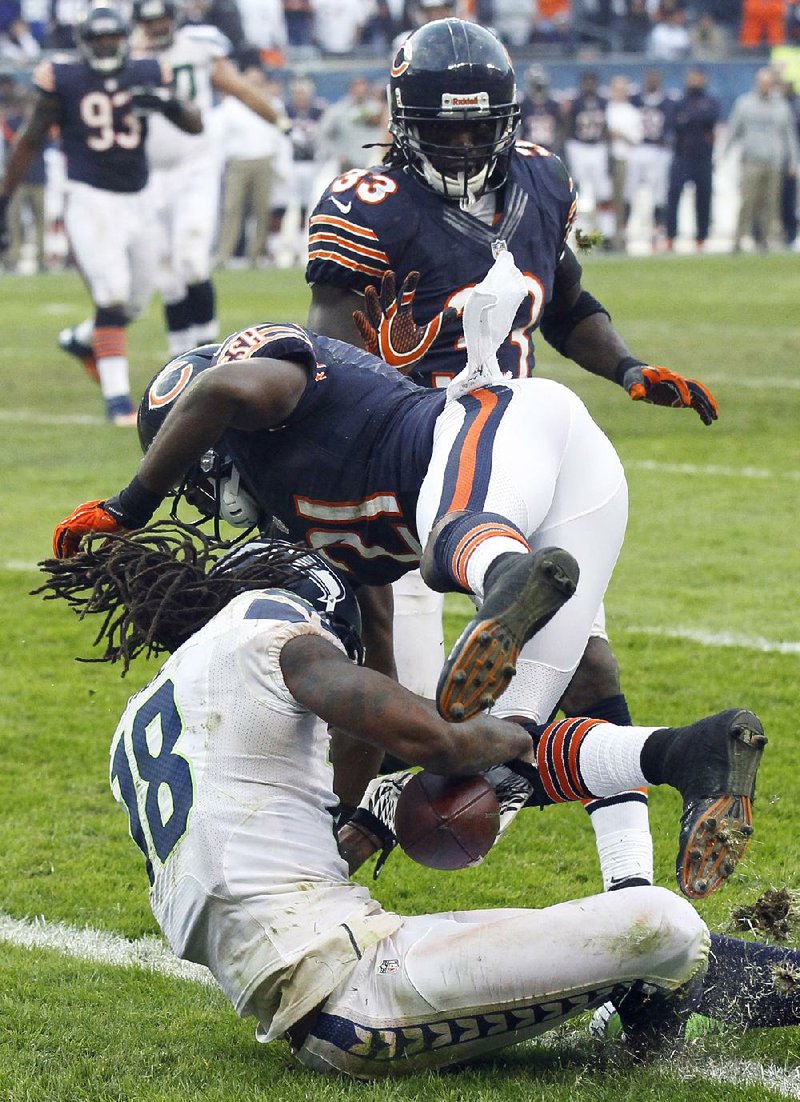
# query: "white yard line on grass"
{"points": [[34, 417], [154, 955], [711, 470]]}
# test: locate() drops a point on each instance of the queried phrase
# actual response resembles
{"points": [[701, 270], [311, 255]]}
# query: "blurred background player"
{"points": [[693, 131], [541, 116], [586, 151], [452, 184], [186, 170], [101, 103], [648, 164], [624, 123]]}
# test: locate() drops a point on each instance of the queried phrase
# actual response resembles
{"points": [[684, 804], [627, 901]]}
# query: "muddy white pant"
{"points": [[450, 987]]}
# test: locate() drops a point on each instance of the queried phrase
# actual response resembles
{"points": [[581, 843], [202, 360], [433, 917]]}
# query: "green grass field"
{"points": [[702, 612]]}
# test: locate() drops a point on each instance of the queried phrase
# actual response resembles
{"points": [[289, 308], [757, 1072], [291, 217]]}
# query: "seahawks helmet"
{"points": [[308, 577], [453, 105], [159, 19], [212, 486], [102, 38]]}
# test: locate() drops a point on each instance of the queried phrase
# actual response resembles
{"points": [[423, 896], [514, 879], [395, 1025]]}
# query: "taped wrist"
{"points": [[624, 365], [364, 820], [557, 325], [134, 506]]}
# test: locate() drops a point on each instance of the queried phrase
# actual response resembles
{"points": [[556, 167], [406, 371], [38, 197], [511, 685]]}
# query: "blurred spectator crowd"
{"points": [[276, 31], [633, 150]]}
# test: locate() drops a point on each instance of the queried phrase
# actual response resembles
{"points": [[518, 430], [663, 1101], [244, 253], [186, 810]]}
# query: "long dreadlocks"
{"points": [[154, 588]]}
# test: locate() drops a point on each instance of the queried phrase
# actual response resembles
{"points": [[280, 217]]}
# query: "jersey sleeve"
{"points": [[44, 78], [556, 186], [280, 619], [344, 243], [275, 341]]}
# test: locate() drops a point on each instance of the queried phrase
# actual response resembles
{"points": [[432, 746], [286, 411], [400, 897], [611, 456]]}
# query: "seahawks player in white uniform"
{"points": [[186, 171], [222, 764]]}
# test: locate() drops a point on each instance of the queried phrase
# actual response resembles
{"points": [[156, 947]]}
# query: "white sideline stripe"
{"points": [[32, 417], [147, 952], [715, 638], [711, 469], [154, 955]]}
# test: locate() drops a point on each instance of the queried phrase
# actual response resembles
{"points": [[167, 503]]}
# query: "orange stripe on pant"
{"points": [[469, 451]]}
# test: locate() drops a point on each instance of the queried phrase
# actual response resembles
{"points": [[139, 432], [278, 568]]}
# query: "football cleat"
{"points": [[522, 594], [713, 764], [69, 341]]}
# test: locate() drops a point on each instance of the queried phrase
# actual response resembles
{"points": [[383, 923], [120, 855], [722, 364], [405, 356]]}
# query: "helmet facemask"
{"points": [[213, 487], [459, 153], [104, 53]]}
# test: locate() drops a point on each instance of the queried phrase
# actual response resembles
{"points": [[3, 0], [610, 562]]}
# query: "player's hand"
{"points": [[663, 387], [387, 323], [147, 98], [92, 516], [5, 238], [377, 809]]}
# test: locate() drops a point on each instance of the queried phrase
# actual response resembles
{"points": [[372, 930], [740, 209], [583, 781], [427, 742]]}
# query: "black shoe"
{"points": [[713, 764], [523, 592]]}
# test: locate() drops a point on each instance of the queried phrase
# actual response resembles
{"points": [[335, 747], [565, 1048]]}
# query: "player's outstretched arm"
{"points": [[382, 713], [227, 79], [261, 397], [580, 328]]}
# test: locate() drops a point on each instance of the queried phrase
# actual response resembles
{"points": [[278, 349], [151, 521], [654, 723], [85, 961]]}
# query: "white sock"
{"points": [[610, 758], [113, 372], [180, 341], [624, 842], [484, 555]]}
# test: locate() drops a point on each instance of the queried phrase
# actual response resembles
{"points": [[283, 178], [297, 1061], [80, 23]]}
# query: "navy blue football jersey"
{"points": [[379, 219], [656, 109], [587, 119], [343, 472], [102, 139], [542, 123]]}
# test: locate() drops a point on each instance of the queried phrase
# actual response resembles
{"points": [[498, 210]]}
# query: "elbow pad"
{"points": [[556, 325]]}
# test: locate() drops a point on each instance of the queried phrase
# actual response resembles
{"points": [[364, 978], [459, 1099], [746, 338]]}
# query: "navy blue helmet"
{"points": [[213, 486], [103, 39], [310, 578], [454, 110]]}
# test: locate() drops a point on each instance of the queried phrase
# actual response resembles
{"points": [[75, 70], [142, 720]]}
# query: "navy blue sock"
{"points": [[750, 984], [201, 302]]}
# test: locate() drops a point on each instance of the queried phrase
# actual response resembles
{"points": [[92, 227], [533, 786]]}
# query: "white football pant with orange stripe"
{"points": [[557, 478]]}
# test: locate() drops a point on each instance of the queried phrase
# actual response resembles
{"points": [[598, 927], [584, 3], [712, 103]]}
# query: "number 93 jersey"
{"points": [[379, 219], [228, 788], [102, 139]]}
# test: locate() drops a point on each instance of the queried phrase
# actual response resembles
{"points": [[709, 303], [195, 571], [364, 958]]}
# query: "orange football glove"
{"points": [[388, 327], [89, 517], [663, 387]]}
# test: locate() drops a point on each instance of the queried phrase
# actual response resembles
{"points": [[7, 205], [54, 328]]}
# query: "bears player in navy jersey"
{"points": [[541, 116], [100, 103], [455, 181], [508, 491], [648, 165]]}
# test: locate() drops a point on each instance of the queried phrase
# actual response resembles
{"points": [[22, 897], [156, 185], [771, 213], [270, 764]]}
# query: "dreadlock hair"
{"points": [[153, 587]]}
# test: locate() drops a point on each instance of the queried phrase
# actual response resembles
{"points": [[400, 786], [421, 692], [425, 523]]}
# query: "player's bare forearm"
{"points": [[377, 632], [356, 845], [189, 118], [331, 313], [261, 397], [596, 346], [382, 713], [19, 159], [355, 763]]}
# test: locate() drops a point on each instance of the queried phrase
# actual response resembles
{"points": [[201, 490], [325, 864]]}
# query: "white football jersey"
{"points": [[191, 57], [229, 794]]}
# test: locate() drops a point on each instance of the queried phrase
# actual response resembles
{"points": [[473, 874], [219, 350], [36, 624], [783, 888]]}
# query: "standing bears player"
{"points": [[454, 182], [100, 103]]}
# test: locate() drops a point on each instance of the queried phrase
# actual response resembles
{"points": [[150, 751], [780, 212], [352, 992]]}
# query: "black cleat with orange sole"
{"points": [[713, 764], [523, 592]]}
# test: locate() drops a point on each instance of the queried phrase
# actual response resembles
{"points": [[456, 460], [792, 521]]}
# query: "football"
{"points": [[446, 822]]}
